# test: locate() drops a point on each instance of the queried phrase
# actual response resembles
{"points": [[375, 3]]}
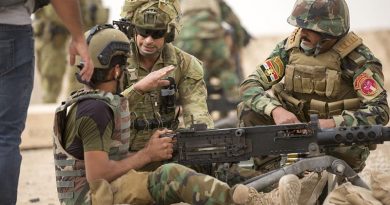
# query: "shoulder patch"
{"points": [[293, 39], [367, 85], [347, 44], [272, 69]]}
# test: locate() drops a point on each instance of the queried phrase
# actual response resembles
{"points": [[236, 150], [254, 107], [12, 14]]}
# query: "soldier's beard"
{"points": [[308, 50]]}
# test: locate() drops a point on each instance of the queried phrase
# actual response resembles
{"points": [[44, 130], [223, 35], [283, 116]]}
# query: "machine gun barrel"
{"points": [[198, 145]]}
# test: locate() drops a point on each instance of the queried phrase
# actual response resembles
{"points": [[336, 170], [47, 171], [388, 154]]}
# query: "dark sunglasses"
{"points": [[155, 34]]}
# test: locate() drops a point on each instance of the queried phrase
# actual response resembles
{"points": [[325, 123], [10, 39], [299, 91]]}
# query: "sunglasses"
{"points": [[155, 34]]}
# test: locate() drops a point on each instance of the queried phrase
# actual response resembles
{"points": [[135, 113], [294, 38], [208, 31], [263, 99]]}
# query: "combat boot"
{"points": [[287, 193]]}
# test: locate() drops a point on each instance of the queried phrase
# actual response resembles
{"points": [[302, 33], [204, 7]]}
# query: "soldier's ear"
{"points": [[117, 71]]}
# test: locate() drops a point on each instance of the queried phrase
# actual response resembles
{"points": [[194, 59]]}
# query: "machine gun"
{"points": [[198, 145]]}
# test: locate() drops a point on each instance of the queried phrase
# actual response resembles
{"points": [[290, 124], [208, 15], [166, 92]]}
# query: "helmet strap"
{"points": [[318, 47]]}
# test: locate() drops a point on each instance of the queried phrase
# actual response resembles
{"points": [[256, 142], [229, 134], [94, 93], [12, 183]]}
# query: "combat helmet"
{"points": [[154, 15], [328, 17], [105, 42]]}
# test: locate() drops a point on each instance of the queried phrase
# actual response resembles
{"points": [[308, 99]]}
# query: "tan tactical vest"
{"points": [[146, 115], [196, 5], [72, 186], [316, 83]]}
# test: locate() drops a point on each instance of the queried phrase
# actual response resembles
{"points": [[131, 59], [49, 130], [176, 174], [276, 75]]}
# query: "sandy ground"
{"points": [[37, 181]]}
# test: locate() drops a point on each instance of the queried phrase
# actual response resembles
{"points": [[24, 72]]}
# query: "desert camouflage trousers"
{"points": [[170, 183]]}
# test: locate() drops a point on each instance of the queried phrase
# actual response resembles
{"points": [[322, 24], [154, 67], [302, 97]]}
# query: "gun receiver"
{"points": [[198, 145]]}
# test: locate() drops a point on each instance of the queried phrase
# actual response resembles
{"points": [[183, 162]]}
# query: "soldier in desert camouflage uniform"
{"points": [[327, 70], [156, 25], [51, 41], [207, 26], [91, 141]]}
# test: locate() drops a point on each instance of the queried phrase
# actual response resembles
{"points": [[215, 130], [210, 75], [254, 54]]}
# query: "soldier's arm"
{"points": [[95, 130], [99, 166], [253, 89], [193, 94], [368, 82]]}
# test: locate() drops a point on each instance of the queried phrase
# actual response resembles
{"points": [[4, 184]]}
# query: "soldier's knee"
{"points": [[172, 169]]}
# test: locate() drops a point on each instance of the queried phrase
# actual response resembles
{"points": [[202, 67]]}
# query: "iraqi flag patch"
{"points": [[366, 84], [272, 69]]}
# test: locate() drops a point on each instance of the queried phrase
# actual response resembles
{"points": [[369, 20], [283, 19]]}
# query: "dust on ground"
{"points": [[37, 180]]}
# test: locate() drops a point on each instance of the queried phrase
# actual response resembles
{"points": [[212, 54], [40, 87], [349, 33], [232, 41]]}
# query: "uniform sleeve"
{"points": [[368, 82], [253, 88], [95, 125], [132, 95], [193, 94]]}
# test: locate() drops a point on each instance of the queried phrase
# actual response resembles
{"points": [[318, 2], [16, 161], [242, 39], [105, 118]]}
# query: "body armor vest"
{"points": [[147, 113], [318, 82], [72, 185]]}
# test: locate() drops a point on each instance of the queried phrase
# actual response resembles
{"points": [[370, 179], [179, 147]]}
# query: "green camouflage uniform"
{"points": [[148, 112], [51, 38], [191, 93], [344, 83], [203, 36]]}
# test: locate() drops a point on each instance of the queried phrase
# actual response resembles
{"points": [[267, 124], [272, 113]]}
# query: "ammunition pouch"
{"points": [[324, 110], [168, 97]]}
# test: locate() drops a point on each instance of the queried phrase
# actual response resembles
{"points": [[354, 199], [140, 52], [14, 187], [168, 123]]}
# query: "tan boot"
{"points": [[289, 190], [380, 184], [287, 194]]}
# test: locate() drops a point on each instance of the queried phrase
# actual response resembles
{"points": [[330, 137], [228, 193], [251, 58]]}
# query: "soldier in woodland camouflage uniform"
{"points": [[91, 141], [51, 41], [207, 25], [156, 25], [327, 71]]}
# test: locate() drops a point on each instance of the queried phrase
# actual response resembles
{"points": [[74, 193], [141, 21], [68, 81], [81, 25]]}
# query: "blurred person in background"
{"points": [[213, 33], [51, 40]]}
